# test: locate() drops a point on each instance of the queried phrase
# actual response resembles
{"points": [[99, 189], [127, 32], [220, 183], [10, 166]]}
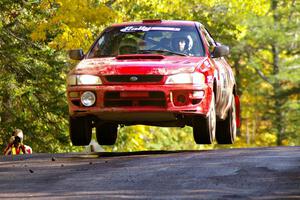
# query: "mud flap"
{"points": [[238, 113]]}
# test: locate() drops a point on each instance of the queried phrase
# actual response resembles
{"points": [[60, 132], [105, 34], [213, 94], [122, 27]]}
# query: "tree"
{"points": [[33, 66], [69, 25], [27, 70], [273, 45]]}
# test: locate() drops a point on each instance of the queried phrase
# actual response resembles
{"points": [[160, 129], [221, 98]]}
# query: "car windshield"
{"points": [[166, 40]]}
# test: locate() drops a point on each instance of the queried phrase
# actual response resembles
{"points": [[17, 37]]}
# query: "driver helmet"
{"points": [[182, 43]]}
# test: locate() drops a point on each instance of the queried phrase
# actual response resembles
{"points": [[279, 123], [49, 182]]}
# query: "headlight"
{"points": [[88, 80], [186, 78], [84, 80], [88, 98]]}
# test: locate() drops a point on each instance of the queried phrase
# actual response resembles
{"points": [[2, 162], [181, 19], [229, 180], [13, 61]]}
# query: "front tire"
{"points": [[107, 133], [226, 130], [204, 128], [80, 131]]}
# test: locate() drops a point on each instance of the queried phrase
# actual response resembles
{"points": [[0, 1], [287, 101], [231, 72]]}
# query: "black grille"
{"points": [[133, 78], [76, 102], [154, 98]]}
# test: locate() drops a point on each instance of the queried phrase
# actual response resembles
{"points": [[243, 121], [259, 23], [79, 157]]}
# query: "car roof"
{"points": [[158, 22]]}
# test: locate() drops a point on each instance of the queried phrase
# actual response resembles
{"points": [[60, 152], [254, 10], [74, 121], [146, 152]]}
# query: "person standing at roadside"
{"points": [[15, 145]]}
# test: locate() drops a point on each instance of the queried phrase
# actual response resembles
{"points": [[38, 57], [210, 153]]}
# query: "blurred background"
{"points": [[263, 36]]}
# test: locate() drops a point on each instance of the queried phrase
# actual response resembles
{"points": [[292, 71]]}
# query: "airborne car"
{"points": [[154, 72]]}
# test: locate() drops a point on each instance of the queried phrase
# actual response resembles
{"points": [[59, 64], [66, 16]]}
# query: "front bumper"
{"points": [[140, 102]]}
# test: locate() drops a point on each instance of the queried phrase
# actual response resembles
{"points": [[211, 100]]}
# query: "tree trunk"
{"points": [[279, 119]]}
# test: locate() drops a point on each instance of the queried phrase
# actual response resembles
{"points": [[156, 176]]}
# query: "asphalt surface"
{"points": [[258, 173]]}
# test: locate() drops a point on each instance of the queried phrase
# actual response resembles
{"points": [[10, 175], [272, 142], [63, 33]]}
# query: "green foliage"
{"points": [[135, 138], [70, 25], [27, 69], [272, 46]]}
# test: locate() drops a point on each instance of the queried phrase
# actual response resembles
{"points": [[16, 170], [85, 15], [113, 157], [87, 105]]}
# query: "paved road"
{"points": [[263, 173]]}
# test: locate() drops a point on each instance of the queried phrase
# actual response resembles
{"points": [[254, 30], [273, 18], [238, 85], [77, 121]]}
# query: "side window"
{"points": [[100, 42], [105, 46], [99, 48], [96, 49], [209, 40]]}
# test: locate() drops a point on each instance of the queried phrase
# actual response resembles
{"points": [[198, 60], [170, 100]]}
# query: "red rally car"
{"points": [[154, 72]]}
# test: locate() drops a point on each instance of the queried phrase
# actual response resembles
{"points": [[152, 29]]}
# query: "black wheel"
{"points": [[226, 130], [80, 131], [204, 128], [107, 133]]}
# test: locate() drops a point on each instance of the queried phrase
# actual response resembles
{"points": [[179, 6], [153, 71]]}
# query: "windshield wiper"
{"points": [[161, 51]]}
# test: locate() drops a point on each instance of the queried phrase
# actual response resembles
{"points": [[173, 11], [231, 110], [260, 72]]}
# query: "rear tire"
{"points": [[107, 133], [226, 130], [80, 131], [204, 128]]}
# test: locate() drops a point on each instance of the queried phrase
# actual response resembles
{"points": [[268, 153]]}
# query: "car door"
{"points": [[222, 78]]}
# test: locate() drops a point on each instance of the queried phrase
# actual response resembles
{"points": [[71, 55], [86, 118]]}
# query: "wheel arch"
{"points": [[235, 90]]}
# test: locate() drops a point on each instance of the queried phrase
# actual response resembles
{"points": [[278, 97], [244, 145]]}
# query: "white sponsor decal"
{"points": [[147, 28], [207, 64], [210, 79], [157, 28]]}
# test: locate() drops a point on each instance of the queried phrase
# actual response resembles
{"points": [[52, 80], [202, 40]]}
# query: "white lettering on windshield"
{"points": [[165, 29], [147, 28]]}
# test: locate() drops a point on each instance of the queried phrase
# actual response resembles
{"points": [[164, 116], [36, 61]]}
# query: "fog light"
{"points": [[88, 98], [198, 94]]}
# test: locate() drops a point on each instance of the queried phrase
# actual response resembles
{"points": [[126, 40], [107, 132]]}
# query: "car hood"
{"points": [[161, 65]]}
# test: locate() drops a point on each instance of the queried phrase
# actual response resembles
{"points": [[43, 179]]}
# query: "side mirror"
{"points": [[76, 54], [220, 51]]}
